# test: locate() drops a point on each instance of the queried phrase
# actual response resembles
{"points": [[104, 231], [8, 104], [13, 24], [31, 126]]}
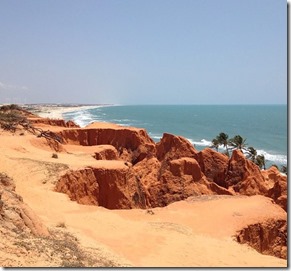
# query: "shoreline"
{"points": [[56, 111]]}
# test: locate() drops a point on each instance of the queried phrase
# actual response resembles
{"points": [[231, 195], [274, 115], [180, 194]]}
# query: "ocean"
{"points": [[263, 126]]}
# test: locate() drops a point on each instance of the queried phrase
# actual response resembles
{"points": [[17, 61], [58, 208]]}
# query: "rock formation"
{"points": [[173, 147], [53, 122], [278, 183], [106, 186], [269, 237], [154, 176], [15, 215], [214, 165], [244, 176], [106, 152], [133, 144]]}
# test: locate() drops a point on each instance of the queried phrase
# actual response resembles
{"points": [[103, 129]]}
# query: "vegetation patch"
{"points": [[238, 142], [62, 249]]}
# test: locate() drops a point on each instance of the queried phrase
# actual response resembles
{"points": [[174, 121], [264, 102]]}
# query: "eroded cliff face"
{"points": [[214, 165], [147, 175], [53, 122], [106, 187], [244, 176], [173, 147], [15, 215], [159, 178], [269, 237], [278, 183], [132, 144], [143, 185], [151, 175], [106, 152]]}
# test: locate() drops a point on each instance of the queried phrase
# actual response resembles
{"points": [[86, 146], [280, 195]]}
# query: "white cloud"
{"points": [[4, 86]]}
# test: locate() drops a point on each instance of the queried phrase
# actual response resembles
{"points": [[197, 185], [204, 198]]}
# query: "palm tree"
{"points": [[260, 161], [215, 144], [284, 169], [238, 142], [252, 153], [222, 139]]}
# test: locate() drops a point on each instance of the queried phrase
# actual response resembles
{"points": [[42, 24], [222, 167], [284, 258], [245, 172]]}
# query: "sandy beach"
{"points": [[195, 232], [57, 111]]}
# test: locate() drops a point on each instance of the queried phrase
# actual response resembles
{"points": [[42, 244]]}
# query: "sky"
{"points": [[143, 52]]}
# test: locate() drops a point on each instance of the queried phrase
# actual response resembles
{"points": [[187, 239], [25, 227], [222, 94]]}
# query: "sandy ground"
{"points": [[197, 232]]}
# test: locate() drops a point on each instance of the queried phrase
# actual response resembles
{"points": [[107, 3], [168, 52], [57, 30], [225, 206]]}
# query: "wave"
{"points": [[80, 117], [271, 158], [122, 122], [85, 117], [155, 137], [277, 158], [202, 142]]}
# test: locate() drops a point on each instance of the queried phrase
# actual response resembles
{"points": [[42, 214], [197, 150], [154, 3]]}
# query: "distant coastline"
{"points": [[56, 111]]}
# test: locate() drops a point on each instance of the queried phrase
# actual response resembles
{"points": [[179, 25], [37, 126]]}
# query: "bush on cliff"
{"points": [[10, 117], [9, 107]]}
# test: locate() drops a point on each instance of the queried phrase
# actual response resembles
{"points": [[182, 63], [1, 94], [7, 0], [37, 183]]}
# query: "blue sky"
{"points": [[143, 52]]}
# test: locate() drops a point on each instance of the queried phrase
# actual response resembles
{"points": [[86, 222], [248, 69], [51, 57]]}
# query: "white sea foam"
{"points": [[202, 142], [276, 158], [125, 121], [82, 117], [57, 112], [155, 137], [125, 124], [269, 157]]}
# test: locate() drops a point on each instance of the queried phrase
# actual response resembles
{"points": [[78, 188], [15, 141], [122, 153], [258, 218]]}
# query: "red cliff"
{"points": [[53, 122], [174, 147], [278, 181], [133, 144], [214, 165], [104, 186], [15, 215], [151, 175], [244, 176]]}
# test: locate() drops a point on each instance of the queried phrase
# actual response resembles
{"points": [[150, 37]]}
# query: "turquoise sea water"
{"points": [[264, 126]]}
